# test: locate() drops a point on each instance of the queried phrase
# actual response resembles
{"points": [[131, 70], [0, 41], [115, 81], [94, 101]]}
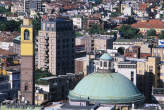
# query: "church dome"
{"points": [[106, 56], [109, 88]]}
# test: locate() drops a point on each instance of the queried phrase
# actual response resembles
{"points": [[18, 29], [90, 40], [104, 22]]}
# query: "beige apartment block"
{"points": [[56, 42], [144, 47], [162, 75], [151, 65], [158, 52]]}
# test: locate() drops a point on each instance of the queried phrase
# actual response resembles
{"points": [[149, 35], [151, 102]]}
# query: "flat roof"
{"points": [[49, 78], [127, 40], [81, 58], [127, 62]]}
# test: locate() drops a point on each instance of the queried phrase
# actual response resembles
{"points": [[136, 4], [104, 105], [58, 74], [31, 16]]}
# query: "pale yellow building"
{"points": [[144, 47], [162, 75], [123, 6], [84, 64], [146, 25], [150, 65], [40, 98], [158, 52]]}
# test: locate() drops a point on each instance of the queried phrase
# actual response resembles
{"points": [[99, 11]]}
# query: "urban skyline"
{"points": [[82, 55]]}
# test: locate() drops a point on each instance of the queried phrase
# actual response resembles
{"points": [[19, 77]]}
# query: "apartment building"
{"points": [[151, 65], [56, 42], [98, 42], [158, 52], [128, 69], [144, 26]]}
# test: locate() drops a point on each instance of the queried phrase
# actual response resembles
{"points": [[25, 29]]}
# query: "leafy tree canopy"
{"points": [[151, 32], [10, 25], [161, 35], [96, 29], [4, 11], [36, 24], [129, 32]]}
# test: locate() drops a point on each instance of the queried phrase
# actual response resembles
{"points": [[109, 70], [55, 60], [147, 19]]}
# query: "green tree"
{"points": [[161, 35], [4, 11], [78, 34], [116, 13], [129, 32], [96, 29], [10, 25], [162, 6], [36, 24], [151, 32], [2, 26]]}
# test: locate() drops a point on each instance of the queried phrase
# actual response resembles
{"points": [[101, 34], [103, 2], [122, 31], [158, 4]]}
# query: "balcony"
{"points": [[46, 60], [47, 44], [46, 38], [46, 65], [46, 55]]}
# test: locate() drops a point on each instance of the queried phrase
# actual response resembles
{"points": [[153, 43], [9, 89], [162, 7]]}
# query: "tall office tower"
{"points": [[56, 43], [27, 61]]}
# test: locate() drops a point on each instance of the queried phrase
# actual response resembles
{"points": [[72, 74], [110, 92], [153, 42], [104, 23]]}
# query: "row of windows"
{"points": [[65, 40], [104, 64], [65, 46], [127, 66]]}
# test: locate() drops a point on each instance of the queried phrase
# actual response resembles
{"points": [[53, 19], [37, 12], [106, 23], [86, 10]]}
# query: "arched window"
{"points": [[26, 35]]}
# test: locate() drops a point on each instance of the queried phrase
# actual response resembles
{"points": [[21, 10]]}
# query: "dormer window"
{"points": [[26, 35]]}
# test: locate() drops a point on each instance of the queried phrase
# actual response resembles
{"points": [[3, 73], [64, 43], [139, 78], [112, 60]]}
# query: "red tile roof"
{"points": [[7, 36], [143, 6], [154, 23]]}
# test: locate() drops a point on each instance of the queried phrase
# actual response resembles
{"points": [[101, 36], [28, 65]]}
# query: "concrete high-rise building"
{"points": [[56, 42], [27, 62]]}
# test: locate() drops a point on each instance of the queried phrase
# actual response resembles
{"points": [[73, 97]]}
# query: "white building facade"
{"points": [[77, 22]]}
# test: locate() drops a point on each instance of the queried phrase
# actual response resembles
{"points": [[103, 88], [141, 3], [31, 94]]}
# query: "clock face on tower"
{"points": [[26, 35]]}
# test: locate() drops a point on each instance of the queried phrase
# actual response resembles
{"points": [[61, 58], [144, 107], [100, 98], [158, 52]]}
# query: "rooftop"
{"points": [[49, 78], [153, 23], [127, 40], [5, 108], [106, 56], [7, 36], [81, 59], [56, 19]]}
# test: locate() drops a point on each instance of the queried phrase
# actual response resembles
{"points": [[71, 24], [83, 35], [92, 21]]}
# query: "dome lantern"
{"points": [[105, 63]]}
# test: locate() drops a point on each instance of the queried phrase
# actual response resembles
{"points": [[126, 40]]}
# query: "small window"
{"points": [[105, 64], [100, 63], [26, 35], [132, 76], [150, 68], [26, 87]]}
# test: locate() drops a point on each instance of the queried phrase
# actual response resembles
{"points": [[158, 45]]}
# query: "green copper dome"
{"points": [[112, 88], [106, 56]]}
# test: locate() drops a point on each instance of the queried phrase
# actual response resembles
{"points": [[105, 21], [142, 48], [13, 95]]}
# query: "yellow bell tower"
{"points": [[27, 38], [27, 62]]}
